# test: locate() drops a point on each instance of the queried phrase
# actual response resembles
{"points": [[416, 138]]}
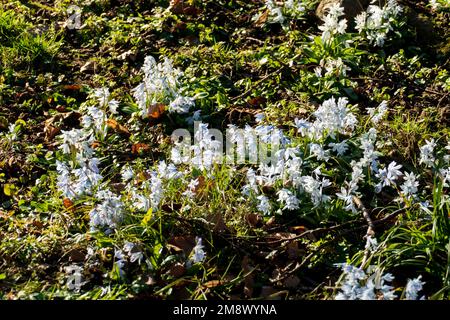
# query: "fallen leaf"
{"points": [[69, 205], [72, 87], [88, 67], [38, 224], [254, 219], [257, 101], [180, 7], [177, 270], [155, 111], [298, 229], [76, 255], [60, 108], [213, 283], [139, 148], [219, 223], [262, 18], [50, 132], [183, 243], [117, 127], [95, 144]]}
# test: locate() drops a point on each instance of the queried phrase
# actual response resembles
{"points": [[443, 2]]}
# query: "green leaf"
{"points": [[9, 189]]}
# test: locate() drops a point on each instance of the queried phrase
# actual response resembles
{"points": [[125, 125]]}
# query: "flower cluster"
{"points": [[332, 117], [359, 285], [289, 8], [333, 24], [376, 22], [80, 175], [160, 85], [198, 254]]}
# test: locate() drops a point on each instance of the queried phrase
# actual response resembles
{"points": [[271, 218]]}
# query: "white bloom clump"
{"points": [[377, 114], [358, 285], [333, 25], [263, 205], [361, 285], [279, 13], [109, 213], [288, 199], [103, 98], [413, 287], [334, 67], [275, 13], [409, 187], [160, 85], [388, 176], [198, 254], [332, 117], [427, 153], [376, 22]]}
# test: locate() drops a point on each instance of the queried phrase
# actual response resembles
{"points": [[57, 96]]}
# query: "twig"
{"points": [[370, 228]]}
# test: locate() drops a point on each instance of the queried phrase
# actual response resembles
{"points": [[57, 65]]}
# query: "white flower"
{"points": [[102, 95], [127, 174], [190, 192], [427, 153], [157, 191], [294, 7], [445, 174], [371, 244], [317, 151], [160, 85], [198, 252], [287, 198], [315, 187], [113, 105], [413, 287], [340, 148], [377, 22], [409, 187], [181, 104], [133, 252], [302, 125], [376, 114], [332, 23], [263, 205], [336, 67], [347, 196], [360, 22], [140, 201], [388, 175], [259, 117], [109, 213], [275, 14], [331, 117], [318, 72], [368, 292]]}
